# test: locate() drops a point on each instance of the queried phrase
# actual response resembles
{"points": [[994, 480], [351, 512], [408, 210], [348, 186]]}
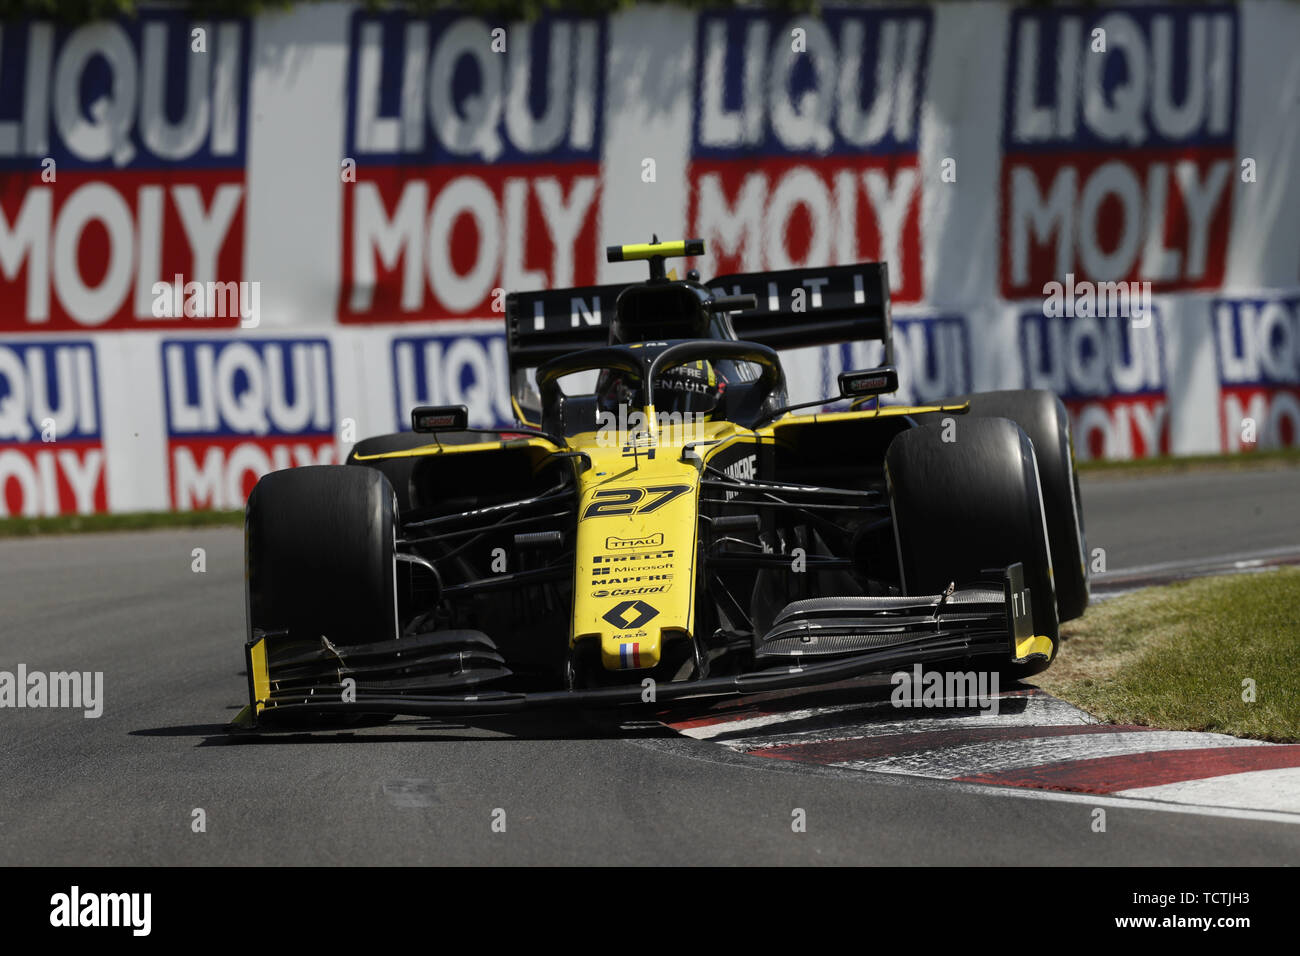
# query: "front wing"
{"points": [[287, 679]]}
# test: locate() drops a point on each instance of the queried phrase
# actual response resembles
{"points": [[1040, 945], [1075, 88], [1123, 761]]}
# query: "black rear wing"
{"points": [[802, 307], [796, 308], [541, 326]]}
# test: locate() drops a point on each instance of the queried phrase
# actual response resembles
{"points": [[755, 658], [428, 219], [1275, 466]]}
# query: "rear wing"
{"points": [[796, 308], [541, 326], [802, 307]]}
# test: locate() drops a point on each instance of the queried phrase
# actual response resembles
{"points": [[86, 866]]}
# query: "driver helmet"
{"points": [[694, 388]]}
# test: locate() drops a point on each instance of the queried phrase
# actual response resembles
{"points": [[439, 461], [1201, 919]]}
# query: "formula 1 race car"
{"points": [[662, 523]]}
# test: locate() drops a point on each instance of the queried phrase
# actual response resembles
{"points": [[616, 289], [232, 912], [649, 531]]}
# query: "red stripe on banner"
{"points": [[891, 745], [1109, 774]]}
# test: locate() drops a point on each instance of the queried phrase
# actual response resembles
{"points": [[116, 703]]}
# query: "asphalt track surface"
{"points": [[123, 788]]}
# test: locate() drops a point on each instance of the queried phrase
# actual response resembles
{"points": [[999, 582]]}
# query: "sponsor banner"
{"points": [[468, 370], [122, 153], [1110, 372], [477, 162], [1257, 349], [237, 409], [933, 356], [51, 430], [416, 167], [806, 138], [1119, 139]]}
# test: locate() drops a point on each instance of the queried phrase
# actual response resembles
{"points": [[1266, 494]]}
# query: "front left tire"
{"points": [[320, 544]]}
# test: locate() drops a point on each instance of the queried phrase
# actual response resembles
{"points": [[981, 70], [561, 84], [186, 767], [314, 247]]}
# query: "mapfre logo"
{"points": [[1119, 146], [237, 409], [632, 544], [51, 443]]}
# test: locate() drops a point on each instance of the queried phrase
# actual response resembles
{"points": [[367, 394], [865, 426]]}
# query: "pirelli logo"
{"points": [[631, 544], [631, 558]]}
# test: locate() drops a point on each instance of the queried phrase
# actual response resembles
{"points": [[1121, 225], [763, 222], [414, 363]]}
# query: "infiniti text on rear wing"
{"points": [[796, 308]]}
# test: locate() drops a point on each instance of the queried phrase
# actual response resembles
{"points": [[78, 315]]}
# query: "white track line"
{"points": [[1119, 802], [1277, 790]]}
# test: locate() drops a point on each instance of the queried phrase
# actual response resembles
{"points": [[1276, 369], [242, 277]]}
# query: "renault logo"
{"points": [[639, 611]]}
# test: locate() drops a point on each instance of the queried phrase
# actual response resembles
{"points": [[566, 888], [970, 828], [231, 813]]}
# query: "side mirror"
{"points": [[439, 418], [871, 381]]}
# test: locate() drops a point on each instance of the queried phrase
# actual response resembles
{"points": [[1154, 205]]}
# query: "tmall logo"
{"points": [[1118, 146], [470, 370], [237, 409], [122, 147], [51, 444], [1257, 345], [476, 152], [1110, 371], [806, 140]]}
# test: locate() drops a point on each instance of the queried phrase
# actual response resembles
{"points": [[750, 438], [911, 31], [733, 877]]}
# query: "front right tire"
{"points": [[967, 502]]}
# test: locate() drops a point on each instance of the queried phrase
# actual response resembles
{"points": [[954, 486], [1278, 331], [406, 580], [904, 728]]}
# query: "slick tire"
{"points": [[969, 505], [320, 552], [1042, 416]]}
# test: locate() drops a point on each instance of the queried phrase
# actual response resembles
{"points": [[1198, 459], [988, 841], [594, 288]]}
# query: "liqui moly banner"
{"points": [[51, 430], [932, 354], [122, 157], [465, 369], [1110, 372], [805, 141], [1119, 140], [226, 241], [237, 409], [477, 163], [1257, 345]]}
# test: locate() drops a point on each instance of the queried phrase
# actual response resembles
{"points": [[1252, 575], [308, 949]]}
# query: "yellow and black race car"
{"points": [[663, 523]]}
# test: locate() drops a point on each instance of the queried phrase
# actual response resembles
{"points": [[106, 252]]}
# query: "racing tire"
{"points": [[966, 508], [320, 549], [1042, 416]]}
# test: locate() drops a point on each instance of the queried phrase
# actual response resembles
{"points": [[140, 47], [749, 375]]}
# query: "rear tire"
{"points": [[1042, 416], [319, 547], [964, 507]]}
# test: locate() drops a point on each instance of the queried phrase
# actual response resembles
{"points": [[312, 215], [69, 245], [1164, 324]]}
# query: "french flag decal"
{"points": [[629, 654]]}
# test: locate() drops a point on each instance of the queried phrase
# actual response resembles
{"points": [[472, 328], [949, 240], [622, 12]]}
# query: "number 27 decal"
{"points": [[626, 501]]}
